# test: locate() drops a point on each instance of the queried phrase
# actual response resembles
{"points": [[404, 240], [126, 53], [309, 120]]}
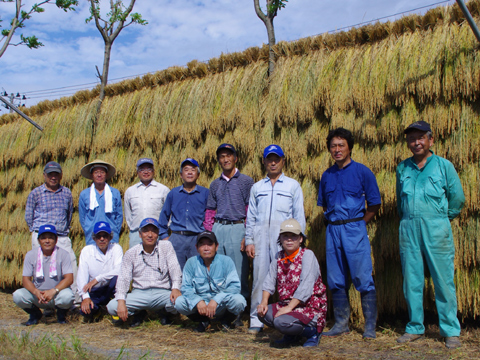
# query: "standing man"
{"points": [[185, 209], [52, 203], [273, 200], [344, 188], [227, 209], [100, 202], [429, 195], [144, 199], [210, 286]]}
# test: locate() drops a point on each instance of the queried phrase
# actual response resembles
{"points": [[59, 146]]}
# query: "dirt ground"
{"points": [[178, 341]]}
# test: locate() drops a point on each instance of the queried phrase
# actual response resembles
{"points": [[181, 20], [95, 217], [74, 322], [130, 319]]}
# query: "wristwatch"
{"points": [[56, 291]]}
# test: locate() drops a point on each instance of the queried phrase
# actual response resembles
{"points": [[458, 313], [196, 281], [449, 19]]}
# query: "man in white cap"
{"points": [[100, 202], [143, 200]]}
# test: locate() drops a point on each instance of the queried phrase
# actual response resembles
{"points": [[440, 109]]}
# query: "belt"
{"points": [[341, 222], [187, 233], [229, 222]]}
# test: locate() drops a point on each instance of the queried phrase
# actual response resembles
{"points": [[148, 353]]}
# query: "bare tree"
{"points": [[18, 22], [116, 21], [273, 6]]}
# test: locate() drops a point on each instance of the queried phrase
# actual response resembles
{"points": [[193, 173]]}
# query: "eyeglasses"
{"points": [[144, 170]]}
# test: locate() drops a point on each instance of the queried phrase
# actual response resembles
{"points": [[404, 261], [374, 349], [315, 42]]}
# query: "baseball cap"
{"points": [[228, 147], [291, 226], [273, 149], [207, 234], [144, 161], [418, 125], [52, 166], [149, 221], [47, 229], [102, 226], [189, 161]]}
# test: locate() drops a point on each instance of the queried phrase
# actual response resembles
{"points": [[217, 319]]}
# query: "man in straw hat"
{"points": [[52, 203], [344, 188], [272, 200], [210, 286], [156, 275], [185, 209], [144, 199], [100, 202], [429, 196]]}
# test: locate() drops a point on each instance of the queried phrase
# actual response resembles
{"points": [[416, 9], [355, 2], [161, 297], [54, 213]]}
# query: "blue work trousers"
{"points": [[234, 303], [101, 296], [184, 246]]}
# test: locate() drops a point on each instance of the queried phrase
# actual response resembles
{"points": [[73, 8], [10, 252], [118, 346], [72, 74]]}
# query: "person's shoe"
{"points": [[313, 337], [405, 338], [202, 326], [138, 318], [226, 326], [452, 342], [254, 330], [61, 315], [226, 320], [92, 318], [116, 321], [238, 321], [35, 315], [49, 313], [286, 340], [341, 313], [369, 307]]}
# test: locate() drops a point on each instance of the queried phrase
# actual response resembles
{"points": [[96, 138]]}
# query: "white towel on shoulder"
{"points": [[108, 198]]}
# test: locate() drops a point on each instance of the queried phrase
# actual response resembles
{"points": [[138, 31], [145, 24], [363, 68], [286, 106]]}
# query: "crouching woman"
{"points": [[47, 276], [295, 274]]}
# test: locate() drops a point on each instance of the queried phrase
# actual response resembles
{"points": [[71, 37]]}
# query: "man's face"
{"points": [[189, 174], [227, 160], [149, 235], [47, 241], [273, 164], [419, 143], [339, 149], [102, 239], [52, 179], [207, 248], [99, 175], [145, 173]]}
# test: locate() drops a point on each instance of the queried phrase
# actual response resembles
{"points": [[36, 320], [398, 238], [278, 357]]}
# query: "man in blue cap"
{"points": [[227, 210], [429, 196], [273, 200], [98, 271], [185, 209], [344, 188], [144, 199], [153, 267]]}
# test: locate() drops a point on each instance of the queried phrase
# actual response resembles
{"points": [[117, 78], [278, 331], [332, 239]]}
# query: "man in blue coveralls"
{"points": [[273, 200], [344, 188], [429, 195]]}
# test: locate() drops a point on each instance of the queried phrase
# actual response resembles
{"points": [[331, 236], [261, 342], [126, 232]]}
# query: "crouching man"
{"points": [[210, 286], [156, 275], [98, 271], [47, 276]]}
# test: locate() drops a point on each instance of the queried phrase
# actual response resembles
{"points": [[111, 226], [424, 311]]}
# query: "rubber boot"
{"points": [[341, 312], [313, 337], [226, 320], [61, 315], [35, 315], [287, 340], [203, 322], [369, 307]]}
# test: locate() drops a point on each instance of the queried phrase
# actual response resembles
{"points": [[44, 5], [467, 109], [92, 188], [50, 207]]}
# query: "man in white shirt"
{"points": [[98, 271], [144, 199]]}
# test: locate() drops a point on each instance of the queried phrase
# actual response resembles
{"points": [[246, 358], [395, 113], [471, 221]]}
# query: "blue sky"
{"points": [[178, 32]]}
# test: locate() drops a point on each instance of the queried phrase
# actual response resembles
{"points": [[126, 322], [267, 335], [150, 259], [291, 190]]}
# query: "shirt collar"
{"points": [[426, 163], [152, 183], [46, 190], [280, 179], [99, 252], [237, 173], [140, 249], [345, 167], [195, 189]]}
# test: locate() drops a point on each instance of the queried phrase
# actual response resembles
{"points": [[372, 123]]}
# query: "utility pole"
{"points": [[11, 106], [14, 99]]}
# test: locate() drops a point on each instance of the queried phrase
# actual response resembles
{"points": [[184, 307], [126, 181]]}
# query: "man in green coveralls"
{"points": [[429, 195]]}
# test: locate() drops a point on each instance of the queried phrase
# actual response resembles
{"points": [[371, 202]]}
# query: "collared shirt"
{"points": [[160, 269], [88, 217], [144, 201], [49, 207], [95, 264], [185, 210], [230, 196], [308, 277], [270, 205], [199, 283], [344, 191], [432, 191]]}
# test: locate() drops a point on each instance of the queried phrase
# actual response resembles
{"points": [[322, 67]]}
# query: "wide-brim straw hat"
{"points": [[87, 168]]}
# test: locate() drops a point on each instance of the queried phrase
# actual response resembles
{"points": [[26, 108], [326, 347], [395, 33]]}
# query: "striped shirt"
{"points": [[160, 269], [49, 207]]}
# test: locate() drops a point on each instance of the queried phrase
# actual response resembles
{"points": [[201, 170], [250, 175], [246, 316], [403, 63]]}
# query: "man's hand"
{"points": [[90, 285], [250, 249], [39, 295], [282, 311], [48, 295], [242, 245], [202, 308], [122, 311], [211, 309], [174, 295], [87, 305], [262, 309]]}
